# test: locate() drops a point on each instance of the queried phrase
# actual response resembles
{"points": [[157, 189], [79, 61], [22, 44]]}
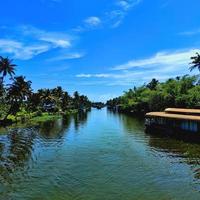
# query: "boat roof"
{"points": [[182, 110], [173, 116]]}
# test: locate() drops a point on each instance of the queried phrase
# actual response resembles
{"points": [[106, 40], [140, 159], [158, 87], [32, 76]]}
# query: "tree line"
{"points": [[180, 92], [17, 95]]}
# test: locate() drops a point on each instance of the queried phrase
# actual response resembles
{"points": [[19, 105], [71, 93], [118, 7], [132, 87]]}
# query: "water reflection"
{"points": [[54, 129], [130, 123], [15, 151], [186, 152], [17, 146], [109, 157], [162, 146], [80, 119]]}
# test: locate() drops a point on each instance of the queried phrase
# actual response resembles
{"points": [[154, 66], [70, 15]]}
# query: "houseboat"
{"points": [[174, 121]]}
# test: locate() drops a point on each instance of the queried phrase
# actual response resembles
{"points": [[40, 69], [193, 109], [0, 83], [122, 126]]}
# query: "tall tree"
{"points": [[153, 84], [6, 67], [18, 92], [20, 89], [195, 64]]}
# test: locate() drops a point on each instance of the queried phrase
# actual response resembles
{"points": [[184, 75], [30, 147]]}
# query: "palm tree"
{"points": [[57, 92], [153, 84], [76, 99], [65, 101], [20, 89], [47, 99], [195, 62], [6, 67], [45, 95], [18, 92]]}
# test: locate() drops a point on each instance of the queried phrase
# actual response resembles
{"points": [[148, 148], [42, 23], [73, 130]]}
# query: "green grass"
{"points": [[45, 117], [37, 117]]}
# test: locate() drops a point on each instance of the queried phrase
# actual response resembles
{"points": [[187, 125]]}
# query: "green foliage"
{"points": [[179, 92], [19, 103]]}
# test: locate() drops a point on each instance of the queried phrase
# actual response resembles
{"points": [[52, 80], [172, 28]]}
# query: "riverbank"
{"points": [[179, 92], [35, 117]]}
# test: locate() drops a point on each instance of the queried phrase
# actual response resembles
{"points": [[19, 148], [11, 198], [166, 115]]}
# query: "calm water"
{"points": [[96, 156]]}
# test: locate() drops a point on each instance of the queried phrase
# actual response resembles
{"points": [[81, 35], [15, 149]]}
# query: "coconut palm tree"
{"points": [[18, 92], [6, 67], [195, 62], [65, 101], [48, 101], [20, 89]]}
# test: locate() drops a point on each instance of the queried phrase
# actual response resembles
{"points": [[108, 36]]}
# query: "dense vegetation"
{"points": [[17, 99], [156, 96]]}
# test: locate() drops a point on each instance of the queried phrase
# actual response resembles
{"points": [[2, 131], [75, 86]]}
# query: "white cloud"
{"points": [[21, 51], [57, 39], [93, 75], [127, 4], [117, 15], [190, 33], [162, 59], [93, 21], [125, 74], [111, 18], [57, 42], [137, 72], [124, 4], [30, 41], [69, 56]]}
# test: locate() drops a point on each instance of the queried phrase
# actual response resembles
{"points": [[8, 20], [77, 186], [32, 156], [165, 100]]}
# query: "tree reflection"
{"points": [[129, 122], [80, 119], [54, 129], [15, 150], [188, 152]]}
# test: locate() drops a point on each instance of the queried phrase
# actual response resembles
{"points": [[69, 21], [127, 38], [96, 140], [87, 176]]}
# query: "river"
{"points": [[94, 156]]}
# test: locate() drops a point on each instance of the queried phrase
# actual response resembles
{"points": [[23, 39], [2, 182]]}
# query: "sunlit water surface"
{"points": [[96, 156]]}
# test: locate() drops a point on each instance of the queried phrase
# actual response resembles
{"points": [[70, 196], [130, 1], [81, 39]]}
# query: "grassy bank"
{"points": [[37, 117]]}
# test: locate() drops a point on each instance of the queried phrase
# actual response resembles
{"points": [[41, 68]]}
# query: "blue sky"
{"points": [[99, 47]]}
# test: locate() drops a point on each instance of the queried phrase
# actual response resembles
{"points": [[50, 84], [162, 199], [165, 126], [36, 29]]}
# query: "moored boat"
{"points": [[174, 121]]}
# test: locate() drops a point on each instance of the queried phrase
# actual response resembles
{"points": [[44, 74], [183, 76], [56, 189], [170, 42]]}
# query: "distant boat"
{"points": [[99, 107]]}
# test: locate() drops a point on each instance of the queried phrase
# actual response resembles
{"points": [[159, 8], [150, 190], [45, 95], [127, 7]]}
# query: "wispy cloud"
{"points": [[125, 5], [117, 15], [94, 75], [26, 42], [110, 18], [57, 39], [69, 56], [160, 66], [92, 21], [20, 50], [161, 59], [125, 78], [190, 33], [125, 74]]}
